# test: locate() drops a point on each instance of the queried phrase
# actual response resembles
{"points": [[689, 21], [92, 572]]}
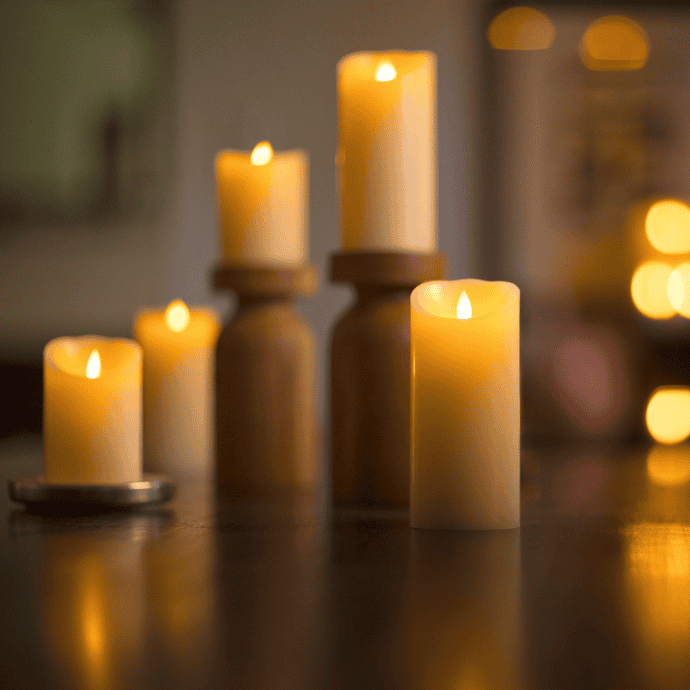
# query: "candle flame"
{"points": [[93, 366], [385, 72], [262, 154], [464, 307], [177, 316]]}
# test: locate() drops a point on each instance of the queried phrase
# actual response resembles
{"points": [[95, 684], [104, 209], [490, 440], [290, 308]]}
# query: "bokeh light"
{"points": [[668, 414], [614, 43], [649, 289], [679, 289], [521, 28], [668, 226], [669, 465]]}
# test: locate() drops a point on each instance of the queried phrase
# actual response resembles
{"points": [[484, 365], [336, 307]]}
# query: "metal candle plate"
{"points": [[36, 493]]}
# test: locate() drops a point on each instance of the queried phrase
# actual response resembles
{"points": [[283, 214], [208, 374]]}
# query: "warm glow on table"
{"points": [[465, 358], [92, 410], [614, 43], [657, 575], [521, 28], [263, 205], [179, 348], [668, 414], [669, 465], [667, 226], [387, 151], [649, 290]]}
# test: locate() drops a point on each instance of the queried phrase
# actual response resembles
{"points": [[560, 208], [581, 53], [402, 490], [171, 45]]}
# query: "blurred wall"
{"points": [[247, 70]]}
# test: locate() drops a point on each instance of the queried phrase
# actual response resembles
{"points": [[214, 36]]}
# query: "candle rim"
{"points": [[512, 292], [91, 342], [277, 155], [384, 54], [202, 319], [197, 309]]}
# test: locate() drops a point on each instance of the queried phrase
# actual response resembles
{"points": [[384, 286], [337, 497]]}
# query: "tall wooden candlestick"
{"points": [[265, 384], [370, 376]]}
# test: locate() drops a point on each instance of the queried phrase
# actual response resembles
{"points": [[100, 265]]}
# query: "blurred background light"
{"points": [[669, 465], [649, 290], [679, 289], [668, 414], [614, 43], [521, 28], [668, 226]]}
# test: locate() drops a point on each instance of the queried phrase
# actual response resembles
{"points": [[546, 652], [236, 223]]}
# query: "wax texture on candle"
{"points": [[263, 207], [179, 355], [387, 151], [92, 424], [465, 397]]}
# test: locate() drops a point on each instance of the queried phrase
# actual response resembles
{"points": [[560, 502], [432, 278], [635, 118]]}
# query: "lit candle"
{"points": [[92, 411], [263, 206], [179, 347], [465, 440], [387, 151]]}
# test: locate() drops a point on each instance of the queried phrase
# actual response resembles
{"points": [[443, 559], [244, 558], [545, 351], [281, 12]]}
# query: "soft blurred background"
{"points": [[558, 132]]}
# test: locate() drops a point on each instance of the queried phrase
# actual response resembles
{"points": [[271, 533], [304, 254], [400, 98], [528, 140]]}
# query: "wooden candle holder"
{"points": [[265, 384], [370, 376]]}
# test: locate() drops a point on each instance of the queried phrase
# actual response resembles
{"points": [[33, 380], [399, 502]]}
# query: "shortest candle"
{"points": [[179, 347], [465, 390], [92, 411]]}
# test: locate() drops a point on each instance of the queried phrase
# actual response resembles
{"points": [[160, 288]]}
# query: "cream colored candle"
{"points": [[263, 206], [465, 427], [179, 354], [387, 151], [92, 410]]}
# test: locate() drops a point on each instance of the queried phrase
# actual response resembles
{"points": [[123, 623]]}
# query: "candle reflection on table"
{"points": [[93, 607], [181, 601], [462, 617], [270, 592]]}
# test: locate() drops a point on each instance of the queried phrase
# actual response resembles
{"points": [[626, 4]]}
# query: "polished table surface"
{"points": [[592, 592]]}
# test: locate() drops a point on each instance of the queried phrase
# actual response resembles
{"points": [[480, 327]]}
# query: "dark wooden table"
{"points": [[592, 592]]}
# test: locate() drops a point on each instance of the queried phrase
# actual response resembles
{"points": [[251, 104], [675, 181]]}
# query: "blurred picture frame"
{"points": [[86, 113]]}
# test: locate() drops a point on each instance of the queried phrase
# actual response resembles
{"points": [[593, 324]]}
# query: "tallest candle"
{"points": [[387, 151]]}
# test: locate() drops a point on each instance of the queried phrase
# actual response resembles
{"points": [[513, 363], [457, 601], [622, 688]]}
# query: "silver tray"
{"points": [[36, 493]]}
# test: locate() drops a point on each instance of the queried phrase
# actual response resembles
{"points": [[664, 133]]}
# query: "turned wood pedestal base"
{"points": [[265, 384], [370, 377]]}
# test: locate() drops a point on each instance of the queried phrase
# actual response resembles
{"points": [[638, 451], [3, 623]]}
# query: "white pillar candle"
{"points": [[465, 427], [92, 411], [387, 151], [179, 354], [263, 206]]}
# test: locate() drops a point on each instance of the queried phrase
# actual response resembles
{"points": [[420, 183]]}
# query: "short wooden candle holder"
{"points": [[370, 376], [265, 384]]}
